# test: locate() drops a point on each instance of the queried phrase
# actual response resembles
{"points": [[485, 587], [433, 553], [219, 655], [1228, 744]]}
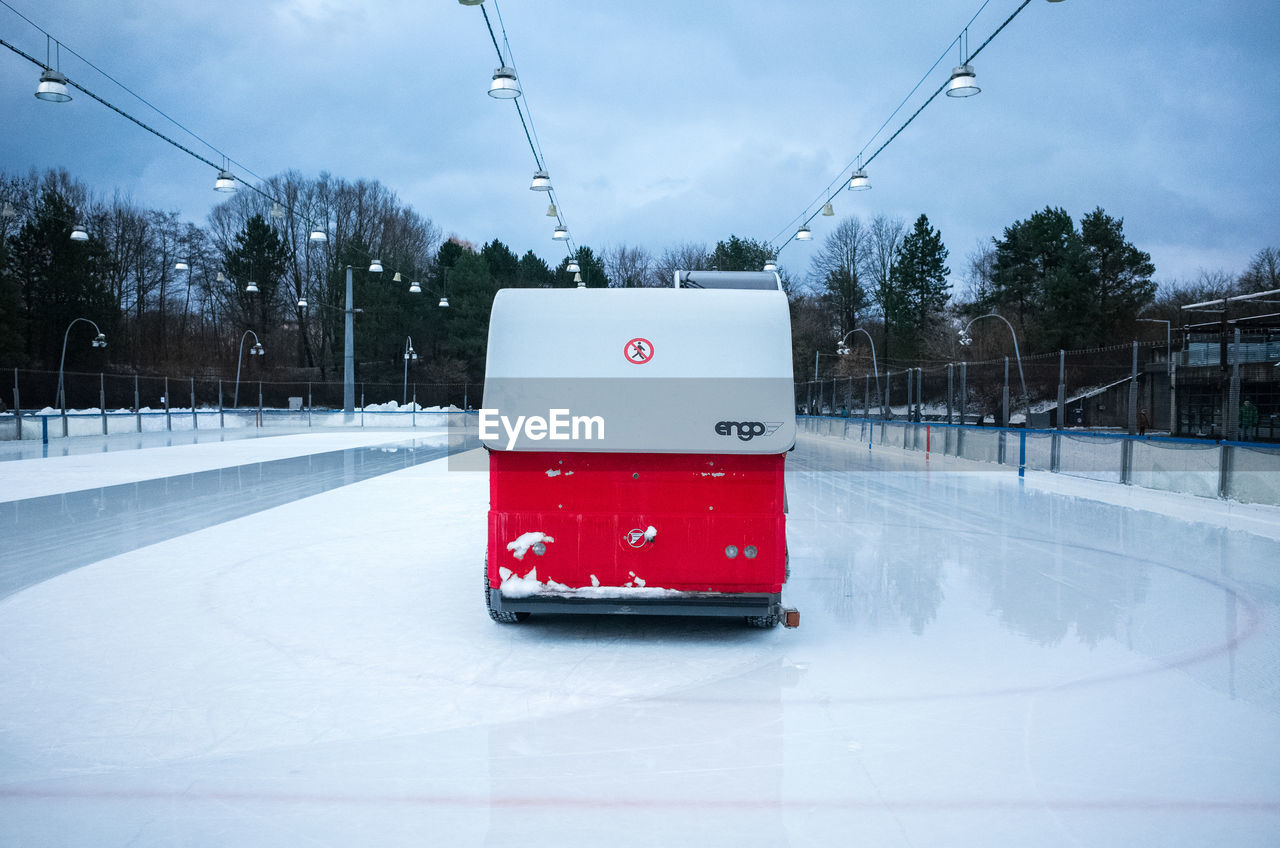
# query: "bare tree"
{"points": [[836, 271], [629, 267], [883, 238], [686, 256], [1263, 273]]}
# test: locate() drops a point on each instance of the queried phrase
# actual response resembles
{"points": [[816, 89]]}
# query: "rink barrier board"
{"points": [[1166, 463]]}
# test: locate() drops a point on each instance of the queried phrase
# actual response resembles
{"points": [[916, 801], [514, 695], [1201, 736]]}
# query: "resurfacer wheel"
{"points": [[500, 616]]}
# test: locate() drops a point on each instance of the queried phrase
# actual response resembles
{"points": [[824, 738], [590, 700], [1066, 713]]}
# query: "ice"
{"points": [[982, 661]]}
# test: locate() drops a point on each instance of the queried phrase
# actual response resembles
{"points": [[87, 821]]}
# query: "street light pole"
{"points": [[99, 340], [349, 353], [256, 350], [875, 369], [964, 340], [408, 352]]}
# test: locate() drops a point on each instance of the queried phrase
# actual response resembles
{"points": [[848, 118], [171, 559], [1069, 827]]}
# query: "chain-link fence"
{"points": [[1133, 388], [1242, 471]]}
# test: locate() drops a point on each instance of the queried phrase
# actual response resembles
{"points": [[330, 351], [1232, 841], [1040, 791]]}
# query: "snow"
{"points": [[981, 660], [522, 543], [650, 533]]}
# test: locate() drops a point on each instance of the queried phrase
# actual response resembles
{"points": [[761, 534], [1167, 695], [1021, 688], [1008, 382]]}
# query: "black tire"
{"points": [[500, 616]]}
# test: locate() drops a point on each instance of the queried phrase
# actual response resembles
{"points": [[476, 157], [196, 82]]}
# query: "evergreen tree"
{"points": [[258, 254], [504, 267], [1120, 277], [534, 273], [592, 270], [739, 254], [918, 288], [1040, 276], [58, 280]]}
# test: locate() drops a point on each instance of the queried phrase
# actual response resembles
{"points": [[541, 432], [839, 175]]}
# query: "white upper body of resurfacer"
{"points": [[679, 370]]}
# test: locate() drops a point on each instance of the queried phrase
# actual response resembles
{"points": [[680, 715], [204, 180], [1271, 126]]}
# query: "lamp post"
{"points": [[409, 353], [256, 350], [966, 340], [99, 340], [844, 351]]}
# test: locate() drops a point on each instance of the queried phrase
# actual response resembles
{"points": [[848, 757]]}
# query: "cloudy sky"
{"points": [[672, 121]]}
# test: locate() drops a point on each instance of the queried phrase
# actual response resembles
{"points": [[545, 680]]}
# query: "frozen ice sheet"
{"points": [[980, 662]]}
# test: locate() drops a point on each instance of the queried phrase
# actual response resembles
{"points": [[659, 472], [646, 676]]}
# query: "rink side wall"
{"points": [[1247, 472]]}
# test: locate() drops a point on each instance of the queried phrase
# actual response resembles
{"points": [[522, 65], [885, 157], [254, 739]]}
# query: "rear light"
{"points": [[750, 551], [731, 551]]}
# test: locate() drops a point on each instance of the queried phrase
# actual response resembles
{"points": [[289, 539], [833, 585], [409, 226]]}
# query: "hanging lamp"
{"points": [[252, 288], [225, 182], [552, 212], [317, 235], [963, 82], [803, 234], [504, 85], [541, 182], [415, 287], [52, 87], [561, 233], [78, 233], [375, 267]]}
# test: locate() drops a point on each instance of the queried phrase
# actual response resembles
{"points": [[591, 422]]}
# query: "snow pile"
{"points": [[521, 545], [553, 472], [515, 586], [412, 406]]}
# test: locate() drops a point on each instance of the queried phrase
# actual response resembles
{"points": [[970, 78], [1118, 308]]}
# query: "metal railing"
{"points": [[1242, 471]]}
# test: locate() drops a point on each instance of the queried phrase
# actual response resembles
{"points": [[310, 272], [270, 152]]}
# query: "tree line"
{"points": [[1060, 284]]}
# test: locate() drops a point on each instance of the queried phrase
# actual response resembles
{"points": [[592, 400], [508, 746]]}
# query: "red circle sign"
{"points": [[638, 351]]}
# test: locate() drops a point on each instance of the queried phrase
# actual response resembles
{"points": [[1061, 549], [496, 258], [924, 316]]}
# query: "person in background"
{"points": [[1144, 421], [1248, 420]]}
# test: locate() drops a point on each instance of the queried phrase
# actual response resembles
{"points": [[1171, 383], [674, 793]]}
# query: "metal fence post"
{"points": [[1062, 389], [1231, 424], [259, 403], [102, 400], [919, 394], [910, 387], [137, 406], [1133, 393], [964, 387], [17, 404], [951, 387], [866, 395], [888, 395], [1175, 423], [168, 421], [1126, 462], [222, 416], [308, 403], [195, 422], [1225, 457], [1004, 422], [1022, 453]]}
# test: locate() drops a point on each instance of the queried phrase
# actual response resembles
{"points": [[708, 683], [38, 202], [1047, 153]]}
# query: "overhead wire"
{"points": [[530, 132], [858, 158], [305, 219]]}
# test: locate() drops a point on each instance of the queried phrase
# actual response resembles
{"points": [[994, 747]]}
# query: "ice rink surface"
{"points": [[981, 660]]}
